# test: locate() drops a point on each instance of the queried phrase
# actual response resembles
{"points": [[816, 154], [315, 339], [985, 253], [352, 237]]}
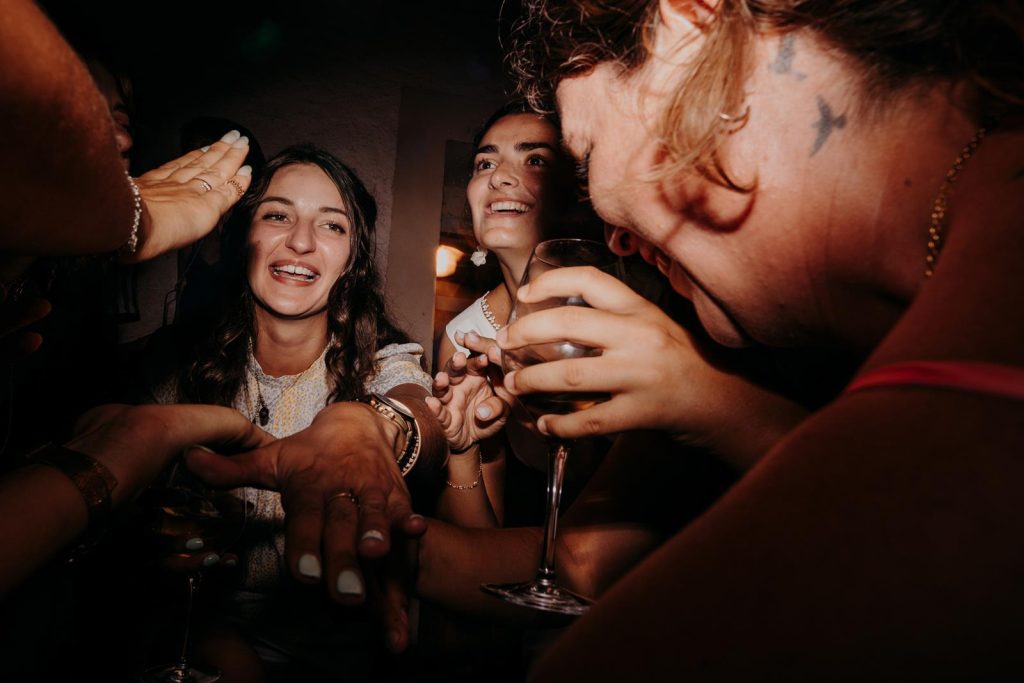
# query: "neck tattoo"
{"points": [[935, 239]]}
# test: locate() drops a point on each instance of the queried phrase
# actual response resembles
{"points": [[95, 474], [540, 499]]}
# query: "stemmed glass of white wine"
{"points": [[185, 508], [543, 592]]}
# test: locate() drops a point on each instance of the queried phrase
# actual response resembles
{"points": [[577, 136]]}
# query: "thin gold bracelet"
{"points": [[479, 475]]}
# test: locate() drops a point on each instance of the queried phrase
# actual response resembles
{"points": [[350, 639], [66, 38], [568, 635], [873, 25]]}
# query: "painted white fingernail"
{"points": [[415, 515], [483, 412], [202, 448], [310, 566], [374, 535], [348, 583], [211, 559], [194, 544], [245, 170], [240, 142], [205, 148], [231, 136]]}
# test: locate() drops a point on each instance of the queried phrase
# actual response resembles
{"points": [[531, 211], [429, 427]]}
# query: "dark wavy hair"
{"points": [[892, 45], [357, 320]]}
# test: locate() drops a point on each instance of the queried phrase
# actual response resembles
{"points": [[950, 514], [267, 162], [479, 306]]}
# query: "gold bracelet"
{"points": [[91, 477], [479, 475]]}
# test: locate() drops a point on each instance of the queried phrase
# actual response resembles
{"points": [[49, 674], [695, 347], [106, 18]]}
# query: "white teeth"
{"points": [[518, 207], [295, 270]]}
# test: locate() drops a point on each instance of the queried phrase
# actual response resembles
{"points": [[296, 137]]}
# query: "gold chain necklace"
{"points": [[942, 202]]}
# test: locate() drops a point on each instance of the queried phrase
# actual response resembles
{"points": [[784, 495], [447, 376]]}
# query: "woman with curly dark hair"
{"points": [[304, 325]]}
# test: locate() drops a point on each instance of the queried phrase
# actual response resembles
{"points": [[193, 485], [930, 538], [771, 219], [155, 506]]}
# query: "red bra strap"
{"points": [[982, 378]]}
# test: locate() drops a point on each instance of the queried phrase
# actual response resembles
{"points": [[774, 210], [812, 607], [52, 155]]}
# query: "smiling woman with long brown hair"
{"points": [[304, 325]]}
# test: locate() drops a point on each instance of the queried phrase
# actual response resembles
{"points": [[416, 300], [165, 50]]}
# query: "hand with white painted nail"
{"points": [[342, 492], [184, 199], [464, 401]]}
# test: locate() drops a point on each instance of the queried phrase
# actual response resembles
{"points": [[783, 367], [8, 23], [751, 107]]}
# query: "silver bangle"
{"points": [[133, 239]]}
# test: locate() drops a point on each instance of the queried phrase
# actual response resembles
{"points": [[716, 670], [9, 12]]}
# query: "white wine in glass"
{"points": [[543, 592], [187, 509]]}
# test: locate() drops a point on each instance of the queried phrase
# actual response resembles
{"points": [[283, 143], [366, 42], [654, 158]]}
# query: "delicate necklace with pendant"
{"points": [[262, 408]]}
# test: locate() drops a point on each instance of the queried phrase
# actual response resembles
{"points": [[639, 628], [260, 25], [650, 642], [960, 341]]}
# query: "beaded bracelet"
{"points": [[133, 239], [479, 475]]}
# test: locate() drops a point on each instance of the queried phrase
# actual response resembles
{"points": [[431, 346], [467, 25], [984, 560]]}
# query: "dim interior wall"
{"points": [[356, 105], [427, 121]]}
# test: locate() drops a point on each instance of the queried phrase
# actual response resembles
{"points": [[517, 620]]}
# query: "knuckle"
{"points": [[592, 426], [574, 374], [342, 514]]}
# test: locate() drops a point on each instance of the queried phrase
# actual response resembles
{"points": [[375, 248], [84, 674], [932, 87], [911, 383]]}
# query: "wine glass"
{"points": [[543, 592], [186, 509]]}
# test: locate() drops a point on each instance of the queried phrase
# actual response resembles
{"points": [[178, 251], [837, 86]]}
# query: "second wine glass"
{"points": [[185, 508], [544, 592]]}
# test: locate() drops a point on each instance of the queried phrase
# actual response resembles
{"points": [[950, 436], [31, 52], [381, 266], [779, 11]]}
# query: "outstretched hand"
{"points": [[184, 199]]}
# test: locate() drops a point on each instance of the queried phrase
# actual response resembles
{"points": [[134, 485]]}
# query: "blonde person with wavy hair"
{"points": [[809, 174]]}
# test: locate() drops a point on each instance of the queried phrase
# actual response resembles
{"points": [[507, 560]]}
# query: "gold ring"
{"points": [[350, 494], [238, 188], [206, 186]]}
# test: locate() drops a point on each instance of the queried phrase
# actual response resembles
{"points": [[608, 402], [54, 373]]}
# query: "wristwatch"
{"points": [[405, 420]]}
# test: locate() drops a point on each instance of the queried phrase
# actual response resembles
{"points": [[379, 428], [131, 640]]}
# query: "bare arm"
{"points": [[612, 525], [474, 494], [41, 511], [59, 144]]}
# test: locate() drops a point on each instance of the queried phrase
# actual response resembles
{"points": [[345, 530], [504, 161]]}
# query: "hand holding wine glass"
{"points": [[543, 592]]}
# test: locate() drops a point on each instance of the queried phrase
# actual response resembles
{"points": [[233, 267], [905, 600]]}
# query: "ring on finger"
{"points": [[238, 188], [349, 494], [206, 186]]}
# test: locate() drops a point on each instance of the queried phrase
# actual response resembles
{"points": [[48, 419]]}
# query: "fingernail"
{"points": [[205, 148], [310, 566], [231, 562], [522, 291], [241, 142], [231, 136], [201, 447], [542, 427], [211, 559], [415, 515], [483, 412], [194, 544], [501, 337], [245, 170], [348, 583], [460, 335], [374, 535]]}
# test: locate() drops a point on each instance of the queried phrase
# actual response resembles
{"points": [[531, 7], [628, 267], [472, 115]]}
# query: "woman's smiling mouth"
{"points": [[294, 272]]}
